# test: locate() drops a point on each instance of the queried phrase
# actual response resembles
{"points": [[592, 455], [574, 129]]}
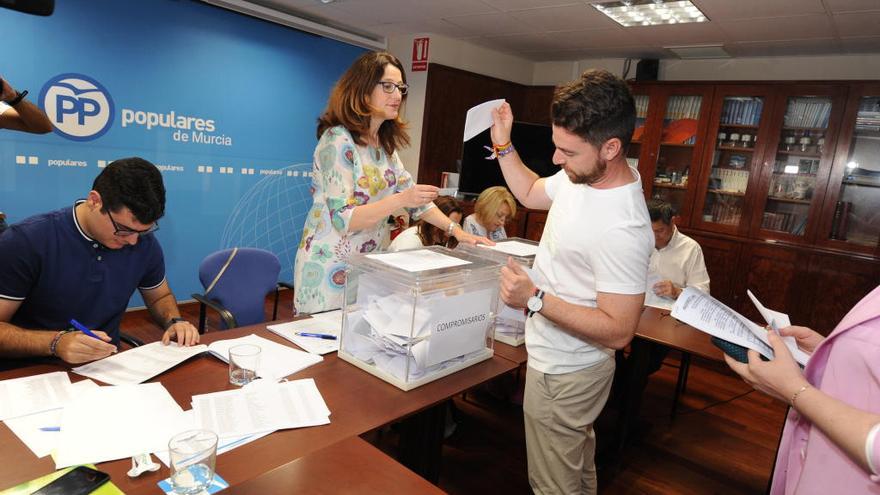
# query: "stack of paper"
{"points": [[139, 364], [33, 394], [514, 248], [276, 360], [418, 260], [328, 323], [40, 431], [266, 406], [108, 423]]}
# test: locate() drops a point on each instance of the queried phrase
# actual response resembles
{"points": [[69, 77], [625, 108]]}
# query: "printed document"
{"points": [[33, 394], [276, 360], [139, 364]]}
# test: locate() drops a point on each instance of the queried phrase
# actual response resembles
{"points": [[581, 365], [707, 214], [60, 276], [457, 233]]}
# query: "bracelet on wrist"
{"points": [[794, 396], [451, 228], [19, 95], [499, 150], [53, 347]]}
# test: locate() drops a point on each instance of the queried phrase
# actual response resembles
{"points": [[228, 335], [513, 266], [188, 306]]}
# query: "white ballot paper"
{"points": [[652, 299], [418, 260], [704, 312], [778, 320], [139, 364], [40, 431], [315, 345], [513, 248], [266, 407], [33, 394], [479, 118], [108, 423], [276, 360]]}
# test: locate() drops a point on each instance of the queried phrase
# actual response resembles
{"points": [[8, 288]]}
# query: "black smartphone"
{"points": [[735, 351], [80, 480]]}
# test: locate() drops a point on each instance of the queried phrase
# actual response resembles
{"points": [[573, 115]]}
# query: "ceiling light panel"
{"points": [[630, 13]]}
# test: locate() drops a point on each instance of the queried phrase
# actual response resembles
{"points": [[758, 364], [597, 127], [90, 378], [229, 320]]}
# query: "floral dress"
{"points": [[345, 175]]}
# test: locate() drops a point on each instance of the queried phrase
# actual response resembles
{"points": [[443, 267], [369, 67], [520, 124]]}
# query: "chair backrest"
{"points": [[243, 286]]}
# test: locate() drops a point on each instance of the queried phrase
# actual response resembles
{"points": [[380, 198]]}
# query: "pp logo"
{"points": [[80, 107]]}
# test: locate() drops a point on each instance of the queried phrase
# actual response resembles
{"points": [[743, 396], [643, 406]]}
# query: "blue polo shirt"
{"points": [[58, 272]]}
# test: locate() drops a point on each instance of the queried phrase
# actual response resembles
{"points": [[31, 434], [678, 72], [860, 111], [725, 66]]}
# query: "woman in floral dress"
{"points": [[358, 180]]}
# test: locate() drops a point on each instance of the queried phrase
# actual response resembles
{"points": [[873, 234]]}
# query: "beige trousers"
{"points": [[559, 412]]}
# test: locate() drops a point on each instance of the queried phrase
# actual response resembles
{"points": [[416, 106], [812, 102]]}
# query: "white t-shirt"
{"points": [[595, 240], [472, 226], [408, 239], [3, 107], [681, 261]]}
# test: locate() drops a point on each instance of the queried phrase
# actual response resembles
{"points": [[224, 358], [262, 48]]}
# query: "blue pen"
{"points": [[82, 328], [324, 336], [50, 428]]}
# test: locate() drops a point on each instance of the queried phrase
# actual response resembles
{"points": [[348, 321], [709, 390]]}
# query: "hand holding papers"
{"points": [[702, 311], [479, 118]]}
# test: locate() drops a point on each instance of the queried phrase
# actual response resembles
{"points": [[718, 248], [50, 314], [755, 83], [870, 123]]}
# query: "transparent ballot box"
{"points": [[510, 324], [414, 316]]}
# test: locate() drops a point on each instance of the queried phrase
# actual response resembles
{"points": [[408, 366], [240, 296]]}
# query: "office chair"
{"points": [[236, 282]]}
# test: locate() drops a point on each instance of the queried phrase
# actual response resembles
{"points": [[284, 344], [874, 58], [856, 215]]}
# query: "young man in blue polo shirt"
{"points": [[84, 262]]}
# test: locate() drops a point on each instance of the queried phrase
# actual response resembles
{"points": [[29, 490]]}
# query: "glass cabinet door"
{"points": [[733, 159], [635, 146], [676, 157], [854, 190], [803, 141]]}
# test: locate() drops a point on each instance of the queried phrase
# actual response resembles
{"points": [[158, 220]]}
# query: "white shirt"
{"points": [[3, 107], [681, 261], [408, 239], [472, 226], [595, 240]]}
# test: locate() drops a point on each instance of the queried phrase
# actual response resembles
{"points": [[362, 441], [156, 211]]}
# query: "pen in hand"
{"points": [[324, 336], [82, 328]]}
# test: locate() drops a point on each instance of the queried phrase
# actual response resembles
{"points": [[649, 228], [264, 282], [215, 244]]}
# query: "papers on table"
{"points": [[479, 118], [276, 360], [315, 345], [108, 423], [32, 394], [514, 248], [40, 431], [418, 260], [704, 312], [223, 445], [263, 407], [139, 364], [652, 299]]}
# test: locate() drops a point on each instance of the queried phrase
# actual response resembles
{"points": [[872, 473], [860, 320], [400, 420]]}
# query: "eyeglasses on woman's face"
{"points": [[389, 87]]}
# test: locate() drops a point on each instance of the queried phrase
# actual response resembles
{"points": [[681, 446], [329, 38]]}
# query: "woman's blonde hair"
{"points": [[348, 105], [490, 201]]}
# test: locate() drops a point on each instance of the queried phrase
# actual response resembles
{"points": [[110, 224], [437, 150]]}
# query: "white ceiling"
{"points": [[543, 30]]}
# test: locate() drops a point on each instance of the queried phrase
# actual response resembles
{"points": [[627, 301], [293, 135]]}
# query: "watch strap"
{"points": [[174, 320]]}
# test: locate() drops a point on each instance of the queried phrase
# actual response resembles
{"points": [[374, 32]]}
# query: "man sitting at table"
{"points": [[84, 262], [677, 260]]}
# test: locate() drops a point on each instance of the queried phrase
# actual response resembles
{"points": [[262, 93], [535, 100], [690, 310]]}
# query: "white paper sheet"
{"points": [[704, 312], [418, 260], [276, 360], [28, 428], [778, 320], [224, 445], [108, 423], [139, 364], [514, 248], [311, 325], [250, 410], [651, 298], [479, 118], [33, 394]]}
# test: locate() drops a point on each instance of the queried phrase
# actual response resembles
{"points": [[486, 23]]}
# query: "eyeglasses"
{"points": [[123, 231], [388, 87]]}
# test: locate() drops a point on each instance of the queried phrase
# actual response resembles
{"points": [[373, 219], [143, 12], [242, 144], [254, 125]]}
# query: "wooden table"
{"points": [[657, 326], [358, 401], [351, 466]]}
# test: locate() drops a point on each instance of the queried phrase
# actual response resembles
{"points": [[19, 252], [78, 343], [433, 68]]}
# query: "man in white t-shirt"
{"points": [[18, 114], [590, 273]]}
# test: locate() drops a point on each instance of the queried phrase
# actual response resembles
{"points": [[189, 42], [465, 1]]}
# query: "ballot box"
{"points": [[510, 324], [414, 316]]}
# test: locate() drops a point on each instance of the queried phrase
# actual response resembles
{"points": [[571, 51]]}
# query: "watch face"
{"points": [[535, 304]]}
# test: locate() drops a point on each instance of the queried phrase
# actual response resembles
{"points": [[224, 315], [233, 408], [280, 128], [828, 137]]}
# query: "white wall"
{"points": [[452, 53]]}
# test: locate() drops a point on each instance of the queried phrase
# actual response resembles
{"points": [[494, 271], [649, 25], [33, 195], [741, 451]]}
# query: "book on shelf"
{"points": [[840, 220]]}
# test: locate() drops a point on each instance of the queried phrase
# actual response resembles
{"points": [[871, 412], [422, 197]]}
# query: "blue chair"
{"points": [[236, 283]]}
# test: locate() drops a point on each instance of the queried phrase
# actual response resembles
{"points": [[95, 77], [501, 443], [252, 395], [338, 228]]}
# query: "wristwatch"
{"points": [[535, 303], [174, 320]]}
